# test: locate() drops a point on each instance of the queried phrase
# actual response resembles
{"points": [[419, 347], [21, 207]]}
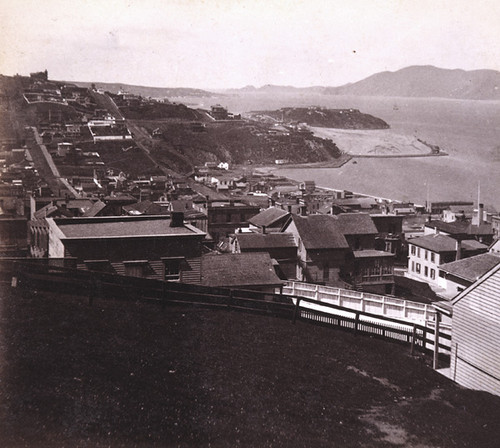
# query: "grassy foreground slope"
{"points": [[125, 375]]}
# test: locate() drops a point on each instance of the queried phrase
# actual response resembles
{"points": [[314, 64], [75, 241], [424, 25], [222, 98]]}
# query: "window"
{"points": [[413, 249], [418, 268], [413, 266], [136, 268], [418, 252], [433, 274], [172, 268], [433, 257], [425, 255], [426, 271]]}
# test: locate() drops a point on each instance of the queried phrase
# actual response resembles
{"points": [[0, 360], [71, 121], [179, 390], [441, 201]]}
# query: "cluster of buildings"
{"points": [[250, 230]]}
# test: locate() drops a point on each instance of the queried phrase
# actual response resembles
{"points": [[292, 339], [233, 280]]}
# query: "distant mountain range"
{"points": [[414, 81]]}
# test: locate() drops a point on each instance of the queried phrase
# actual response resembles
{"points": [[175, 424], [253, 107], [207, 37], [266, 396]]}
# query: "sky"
{"points": [[233, 43]]}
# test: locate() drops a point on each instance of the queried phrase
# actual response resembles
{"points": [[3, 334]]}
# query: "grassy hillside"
{"points": [[124, 375], [327, 118], [234, 142]]}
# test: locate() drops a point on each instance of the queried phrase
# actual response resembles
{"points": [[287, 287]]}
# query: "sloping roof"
{"points": [[319, 232], [144, 208], [247, 269], [461, 227], [268, 217], [491, 276], [252, 241], [355, 224], [52, 210], [473, 267], [121, 227], [94, 210], [444, 243]]}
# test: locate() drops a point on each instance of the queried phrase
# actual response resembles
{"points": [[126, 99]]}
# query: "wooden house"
{"points": [[241, 271], [279, 246], [427, 253], [141, 246], [475, 358], [322, 248]]}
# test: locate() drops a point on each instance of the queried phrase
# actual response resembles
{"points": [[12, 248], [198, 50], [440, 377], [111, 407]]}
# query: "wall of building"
{"points": [[476, 337], [428, 261], [118, 250]]}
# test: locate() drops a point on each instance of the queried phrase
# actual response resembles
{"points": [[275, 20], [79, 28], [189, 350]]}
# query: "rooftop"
{"points": [[122, 227], [355, 224], [268, 217], [320, 232], [444, 243], [472, 268], [247, 269], [253, 240], [372, 254], [460, 227]]}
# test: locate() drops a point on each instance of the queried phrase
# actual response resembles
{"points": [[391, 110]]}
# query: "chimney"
{"points": [[289, 209], [177, 219], [459, 250], [480, 214], [303, 210], [264, 229]]}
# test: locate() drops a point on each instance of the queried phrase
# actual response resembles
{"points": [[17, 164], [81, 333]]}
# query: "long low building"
{"points": [[145, 246]]}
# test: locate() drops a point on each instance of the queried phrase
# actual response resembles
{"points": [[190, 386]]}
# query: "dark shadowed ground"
{"points": [[122, 374]]}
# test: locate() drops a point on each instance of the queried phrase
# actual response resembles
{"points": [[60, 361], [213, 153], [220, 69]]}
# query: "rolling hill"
{"points": [[414, 81], [426, 81]]}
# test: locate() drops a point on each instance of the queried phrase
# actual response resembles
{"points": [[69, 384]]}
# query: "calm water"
{"points": [[469, 131]]}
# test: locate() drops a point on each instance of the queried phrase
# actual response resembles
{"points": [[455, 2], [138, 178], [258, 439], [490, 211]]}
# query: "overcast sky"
{"points": [[233, 43]]}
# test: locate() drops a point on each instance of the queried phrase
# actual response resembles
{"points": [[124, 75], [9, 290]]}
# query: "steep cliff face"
{"points": [[328, 118]]}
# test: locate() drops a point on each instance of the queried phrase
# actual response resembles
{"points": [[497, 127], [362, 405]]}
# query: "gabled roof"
{"points": [[492, 273], [471, 268], [444, 243], [269, 217], [253, 241], [319, 232], [355, 224], [247, 269]]}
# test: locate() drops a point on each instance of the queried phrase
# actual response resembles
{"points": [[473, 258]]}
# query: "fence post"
{"points": [[435, 363], [424, 337], [356, 322], [296, 311], [413, 336], [405, 309], [316, 293]]}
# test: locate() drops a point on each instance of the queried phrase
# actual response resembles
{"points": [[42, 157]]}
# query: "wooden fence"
{"points": [[372, 303], [53, 276]]}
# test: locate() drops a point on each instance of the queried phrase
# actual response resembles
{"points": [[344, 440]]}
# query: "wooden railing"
{"points": [[31, 275], [372, 303]]}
